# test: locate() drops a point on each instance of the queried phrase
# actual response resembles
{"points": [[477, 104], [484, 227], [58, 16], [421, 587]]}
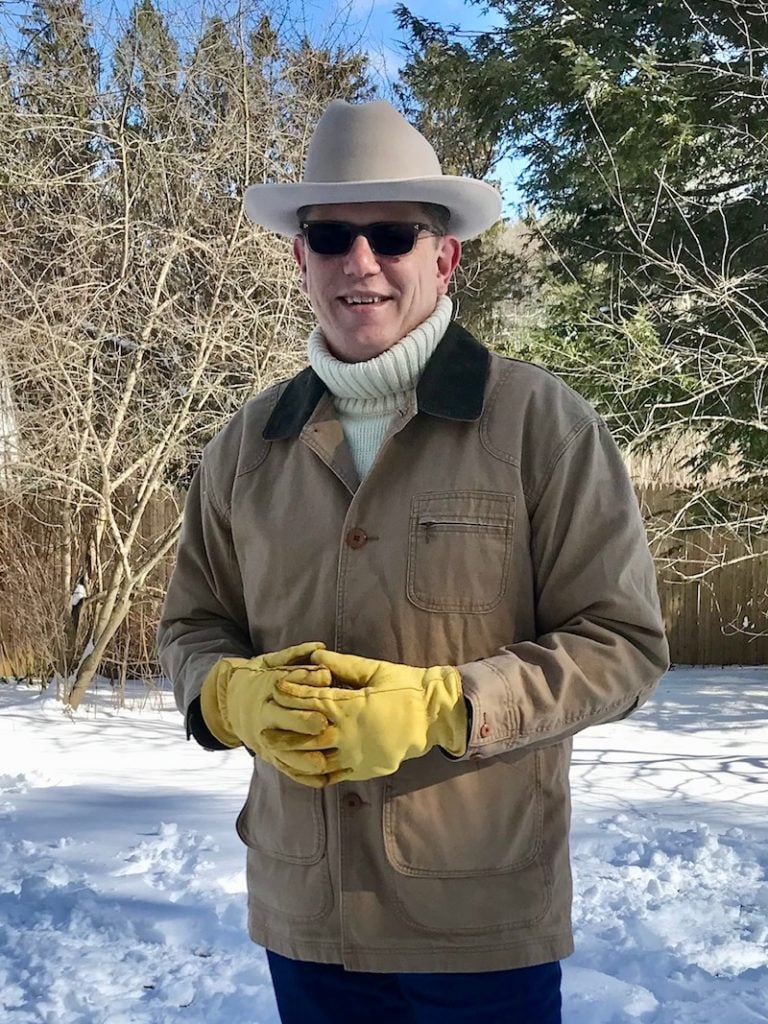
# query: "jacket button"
{"points": [[353, 802], [475, 757], [485, 730], [357, 538]]}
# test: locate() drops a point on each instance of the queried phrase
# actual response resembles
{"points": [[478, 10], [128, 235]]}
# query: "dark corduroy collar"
{"points": [[452, 387]]}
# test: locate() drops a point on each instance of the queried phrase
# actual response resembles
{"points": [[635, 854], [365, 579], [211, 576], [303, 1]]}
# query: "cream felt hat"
{"points": [[369, 153]]}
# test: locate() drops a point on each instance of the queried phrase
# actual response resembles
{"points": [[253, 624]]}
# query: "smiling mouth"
{"points": [[360, 300]]}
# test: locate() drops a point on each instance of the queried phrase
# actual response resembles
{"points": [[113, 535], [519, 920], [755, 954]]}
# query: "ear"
{"points": [[300, 255], [448, 256]]}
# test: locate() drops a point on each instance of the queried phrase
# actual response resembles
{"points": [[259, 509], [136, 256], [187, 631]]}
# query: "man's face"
{"points": [[405, 288]]}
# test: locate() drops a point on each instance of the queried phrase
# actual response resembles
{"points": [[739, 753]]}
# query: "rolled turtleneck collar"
{"points": [[357, 387], [367, 395]]}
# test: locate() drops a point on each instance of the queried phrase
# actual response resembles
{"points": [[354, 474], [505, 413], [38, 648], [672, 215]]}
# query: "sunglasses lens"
{"points": [[391, 239], [334, 238], [328, 238]]}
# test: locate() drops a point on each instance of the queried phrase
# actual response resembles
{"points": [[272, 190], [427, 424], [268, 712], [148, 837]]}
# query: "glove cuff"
{"points": [[213, 704], [447, 710]]}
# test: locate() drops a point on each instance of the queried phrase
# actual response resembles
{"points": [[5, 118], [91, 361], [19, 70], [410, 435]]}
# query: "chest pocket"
{"points": [[459, 550]]}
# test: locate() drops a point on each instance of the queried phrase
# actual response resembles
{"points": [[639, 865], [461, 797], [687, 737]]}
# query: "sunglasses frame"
{"points": [[365, 229]]}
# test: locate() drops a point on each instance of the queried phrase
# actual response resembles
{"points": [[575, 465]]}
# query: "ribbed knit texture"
{"points": [[367, 395]]}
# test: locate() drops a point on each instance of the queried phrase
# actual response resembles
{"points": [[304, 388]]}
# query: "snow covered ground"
{"points": [[122, 892]]}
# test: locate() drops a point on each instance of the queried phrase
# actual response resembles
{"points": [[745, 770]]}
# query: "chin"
{"points": [[359, 349]]}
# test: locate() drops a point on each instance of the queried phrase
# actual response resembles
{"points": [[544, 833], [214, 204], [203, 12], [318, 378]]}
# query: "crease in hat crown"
{"points": [[369, 152]]}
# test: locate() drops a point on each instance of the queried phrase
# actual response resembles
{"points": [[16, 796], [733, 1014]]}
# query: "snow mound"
{"points": [[650, 891], [69, 950], [122, 883]]}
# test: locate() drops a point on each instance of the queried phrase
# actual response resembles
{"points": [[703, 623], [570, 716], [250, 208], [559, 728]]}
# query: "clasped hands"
{"points": [[321, 717]]}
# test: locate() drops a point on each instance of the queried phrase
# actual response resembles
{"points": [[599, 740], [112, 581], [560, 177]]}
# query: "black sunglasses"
{"points": [[386, 238]]}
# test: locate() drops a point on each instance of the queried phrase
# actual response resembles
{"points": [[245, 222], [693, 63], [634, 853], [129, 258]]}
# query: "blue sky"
{"points": [[375, 21]]}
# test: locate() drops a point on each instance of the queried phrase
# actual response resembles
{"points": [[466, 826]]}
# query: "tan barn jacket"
{"points": [[497, 530]]}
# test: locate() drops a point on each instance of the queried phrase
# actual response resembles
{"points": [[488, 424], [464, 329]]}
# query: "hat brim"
{"points": [[474, 205]]}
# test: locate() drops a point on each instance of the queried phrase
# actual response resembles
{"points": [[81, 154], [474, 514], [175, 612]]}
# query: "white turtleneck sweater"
{"points": [[367, 395]]}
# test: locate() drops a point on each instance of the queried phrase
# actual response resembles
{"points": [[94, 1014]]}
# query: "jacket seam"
{"points": [[531, 498], [256, 463], [485, 440], [565, 444], [210, 494], [224, 509], [266, 445], [564, 933]]}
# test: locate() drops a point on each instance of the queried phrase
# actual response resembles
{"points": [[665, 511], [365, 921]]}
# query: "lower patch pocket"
{"points": [[465, 851], [463, 819], [283, 826]]}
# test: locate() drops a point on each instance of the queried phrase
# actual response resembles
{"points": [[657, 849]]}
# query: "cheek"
{"points": [[315, 285]]}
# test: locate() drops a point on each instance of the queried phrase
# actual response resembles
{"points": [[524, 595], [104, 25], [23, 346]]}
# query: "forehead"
{"points": [[366, 213]]}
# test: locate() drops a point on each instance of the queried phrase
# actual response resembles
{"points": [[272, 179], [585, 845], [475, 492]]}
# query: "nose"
{"points": [[361, 260]]}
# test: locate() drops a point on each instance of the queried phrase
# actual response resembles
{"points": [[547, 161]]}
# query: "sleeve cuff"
{"points": [[197, 728], [492, 726]]}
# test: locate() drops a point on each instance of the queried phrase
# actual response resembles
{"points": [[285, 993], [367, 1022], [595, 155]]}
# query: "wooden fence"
{"points": [[713, 588], [715, 620]]}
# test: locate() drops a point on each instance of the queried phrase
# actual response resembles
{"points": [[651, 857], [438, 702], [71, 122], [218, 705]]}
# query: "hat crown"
{"points": [[367, 142], [369, 153]]}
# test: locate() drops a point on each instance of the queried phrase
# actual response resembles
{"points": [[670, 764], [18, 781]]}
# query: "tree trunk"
{"points": [[90, 664]]}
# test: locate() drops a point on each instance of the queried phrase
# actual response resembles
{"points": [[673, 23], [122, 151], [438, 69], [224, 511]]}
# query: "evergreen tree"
{"points": [[53, 96], [490, 267], [643, 131], [146, 70], [59, 74]]}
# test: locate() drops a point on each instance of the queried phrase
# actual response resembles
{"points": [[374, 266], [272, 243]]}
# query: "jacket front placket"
{"points": [[347, 806], [324, 435]]}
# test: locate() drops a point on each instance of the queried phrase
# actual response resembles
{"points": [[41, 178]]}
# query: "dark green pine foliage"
{"points": [[643, 130], [432, 96], [53, 91], [146, 69], [59, 74]]}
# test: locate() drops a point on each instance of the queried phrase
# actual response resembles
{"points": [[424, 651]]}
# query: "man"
{"points": [[406, 578]]}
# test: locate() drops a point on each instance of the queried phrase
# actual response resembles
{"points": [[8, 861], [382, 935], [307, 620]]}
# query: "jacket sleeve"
{"points": [[203, 617], [600, 647]]}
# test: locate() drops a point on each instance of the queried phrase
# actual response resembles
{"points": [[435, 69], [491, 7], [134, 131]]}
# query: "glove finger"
{"points": [[309, 721], [309, 762], [280, 739], [292, 655], [224, 668], [315, 781], [304, 762], [313, 762], [349, 668], [309, 675], [318, 698]]}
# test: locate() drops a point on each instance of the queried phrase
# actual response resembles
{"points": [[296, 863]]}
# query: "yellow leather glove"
{"points": [[382, 714], [237, 702]]}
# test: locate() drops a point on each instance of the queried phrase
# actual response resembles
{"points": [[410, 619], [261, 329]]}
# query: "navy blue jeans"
{"points": [[309, 993]]}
